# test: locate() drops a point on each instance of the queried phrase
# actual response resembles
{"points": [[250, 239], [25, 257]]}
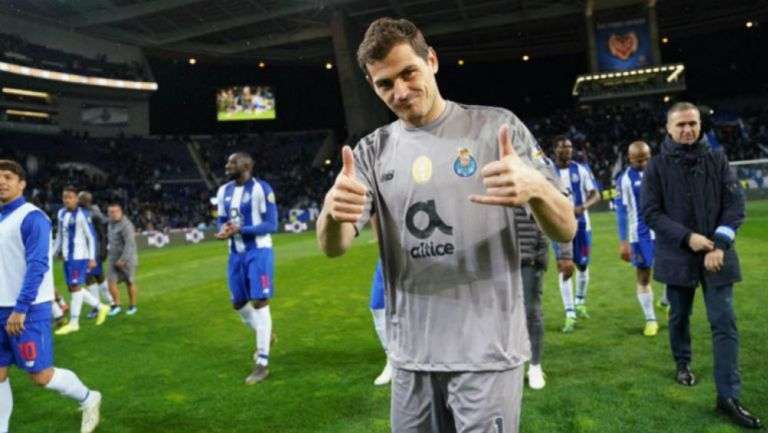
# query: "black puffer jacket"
{"points": [[691, 189], [534, 245]]}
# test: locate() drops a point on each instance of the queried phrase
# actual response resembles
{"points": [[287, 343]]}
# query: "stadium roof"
{"points": [[298, 30]]}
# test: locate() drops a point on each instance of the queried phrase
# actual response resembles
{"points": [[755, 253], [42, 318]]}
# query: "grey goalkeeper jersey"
{"points": [[454, 299]]}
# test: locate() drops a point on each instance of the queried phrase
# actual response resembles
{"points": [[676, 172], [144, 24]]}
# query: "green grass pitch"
{"points": [[264, 115], [179, 365]]}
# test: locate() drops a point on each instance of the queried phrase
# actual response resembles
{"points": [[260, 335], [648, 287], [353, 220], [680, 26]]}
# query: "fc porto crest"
{"points": [[235, 216], [465, 164], [246, 197]]}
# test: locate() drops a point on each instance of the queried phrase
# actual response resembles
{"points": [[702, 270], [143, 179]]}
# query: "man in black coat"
{"points": [[695, 204]]}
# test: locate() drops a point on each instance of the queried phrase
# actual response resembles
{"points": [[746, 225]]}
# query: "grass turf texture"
{"points": [[234, 116], [179, 365]]}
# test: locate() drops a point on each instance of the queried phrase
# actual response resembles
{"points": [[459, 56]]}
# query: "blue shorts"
{"points": [[250, 275], [75, 272], [582, 245], [377, 288], [98, 270], [32, 351], [642, 253]]}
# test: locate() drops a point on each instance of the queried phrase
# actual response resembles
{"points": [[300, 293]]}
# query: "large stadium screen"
{"points": [[245, 103]]}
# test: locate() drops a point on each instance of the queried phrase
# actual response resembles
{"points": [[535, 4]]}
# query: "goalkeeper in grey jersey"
{"points": [[443, 180]]}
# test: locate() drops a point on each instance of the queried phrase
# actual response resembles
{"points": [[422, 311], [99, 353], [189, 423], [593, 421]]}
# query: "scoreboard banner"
{"points": [[92, 115], [623, 45]]}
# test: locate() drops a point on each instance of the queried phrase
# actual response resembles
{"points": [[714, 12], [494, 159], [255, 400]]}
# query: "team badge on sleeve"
{"points": [[271, 197], [465, 164]]}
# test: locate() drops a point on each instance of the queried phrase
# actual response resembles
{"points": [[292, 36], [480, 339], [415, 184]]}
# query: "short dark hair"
{"points": [[383, 34], [558, 139], [115, 204], [69, 188], [14, 167]]}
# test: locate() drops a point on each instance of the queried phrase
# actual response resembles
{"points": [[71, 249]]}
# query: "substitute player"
{"points": [[456, 329], [577, 178], [634, 235], [247, 214], [76, 242], [26, 293]]}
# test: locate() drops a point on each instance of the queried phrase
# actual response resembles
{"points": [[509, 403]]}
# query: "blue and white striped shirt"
{"points": [[76, 238], [632, 227], [580, 182], [252, 207]]}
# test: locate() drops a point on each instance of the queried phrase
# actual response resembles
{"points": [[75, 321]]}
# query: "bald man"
{"points": [[635, 236], [247, 215], [95, 282]]}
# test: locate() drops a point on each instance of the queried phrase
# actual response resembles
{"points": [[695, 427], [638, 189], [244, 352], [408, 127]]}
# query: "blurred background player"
{"points": [[378, 312], [379, 321], [76, 242], [26, 292], [577, 178], [122, 259], [635, 236], [247, 214], [95, 282], [59, 308], [534, 258]]}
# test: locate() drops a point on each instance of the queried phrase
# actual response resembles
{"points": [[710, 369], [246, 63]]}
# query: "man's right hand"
{"points": [[699, 243], [624, 252], [345, 202], [565, 267]]}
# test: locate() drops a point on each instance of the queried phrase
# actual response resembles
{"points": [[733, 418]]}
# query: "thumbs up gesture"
{"points": [[346, 199], [509, 181]]}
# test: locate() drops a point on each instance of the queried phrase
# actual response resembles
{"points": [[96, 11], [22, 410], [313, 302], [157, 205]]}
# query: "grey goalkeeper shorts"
{"points": [[126, 274], [462, 402]]}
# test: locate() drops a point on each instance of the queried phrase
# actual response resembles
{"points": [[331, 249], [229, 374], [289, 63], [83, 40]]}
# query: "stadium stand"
{"points": [[14, 49], [156, 178]]}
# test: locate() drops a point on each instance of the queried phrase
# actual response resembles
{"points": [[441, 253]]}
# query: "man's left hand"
{"points": [[565, 267], [15, 323], [713, 260], [225, 232], [508, 181], [91, 264]]}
